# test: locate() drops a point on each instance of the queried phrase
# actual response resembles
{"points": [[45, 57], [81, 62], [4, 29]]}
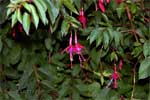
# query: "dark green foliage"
{"points": [[33, 67]]}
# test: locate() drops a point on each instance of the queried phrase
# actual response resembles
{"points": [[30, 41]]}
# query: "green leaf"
{"points": [[14, 19], [48, 43], [114, 56], [93, 35], [42, 2], [65, 27], [9, 11], [41, 11], [19, 16], [34, 16], [146, 48], [53, 10], [69, 5], [117, 37], [99, 39], [120, 10], [144, 70], [14, 95], [26, 6], [133, 8], [26, 22], [106, 39]]}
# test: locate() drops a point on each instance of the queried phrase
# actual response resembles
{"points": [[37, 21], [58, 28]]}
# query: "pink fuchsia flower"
{"points": [[70, 50], [101, 5], [118, 1], [115, 77], [78, 48], [82, 18], [107, 1], [20, 28], [120, 64]]}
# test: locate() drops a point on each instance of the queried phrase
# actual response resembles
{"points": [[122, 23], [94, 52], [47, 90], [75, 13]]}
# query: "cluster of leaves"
{"points": [[33, 68]]}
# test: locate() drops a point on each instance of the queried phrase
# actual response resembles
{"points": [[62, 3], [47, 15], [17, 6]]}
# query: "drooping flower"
{"points": [[70, 49], [120, 64], [107, 1], [118, 1], [82, 18], [75, 49], [101, 5], [115, 77], [20, 28], [78, 50]]}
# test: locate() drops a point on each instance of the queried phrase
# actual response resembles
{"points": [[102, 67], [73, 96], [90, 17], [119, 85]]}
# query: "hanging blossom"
{"points": [[75, 49], [101, 5], [78, 49], [82, 18], [70, 49], [118, 1], [20, 28], [115, 77]]}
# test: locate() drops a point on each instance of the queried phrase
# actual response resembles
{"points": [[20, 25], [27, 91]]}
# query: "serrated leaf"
{"points": [[117, 37], [144, 70], [106, 39], [41, 11], [14, 19], [120, 10], [93, 35], [53, 10], [26, 6], [99, 39], [69, 5], [26, 22], [9, 11], [34, 16], [19, 16], [146, 48], [65, 27], [43, 4]]}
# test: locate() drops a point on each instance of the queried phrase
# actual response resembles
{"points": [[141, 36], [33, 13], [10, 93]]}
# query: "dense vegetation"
{"points": [[75, 50]]}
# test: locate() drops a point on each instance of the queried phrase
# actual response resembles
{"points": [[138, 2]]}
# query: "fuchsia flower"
{"points": [[101, 5], [118, 1], [82, 18], [115, 77], [107, 1], [75, 49], [20, 28], [78, 49], [70, 49]]}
